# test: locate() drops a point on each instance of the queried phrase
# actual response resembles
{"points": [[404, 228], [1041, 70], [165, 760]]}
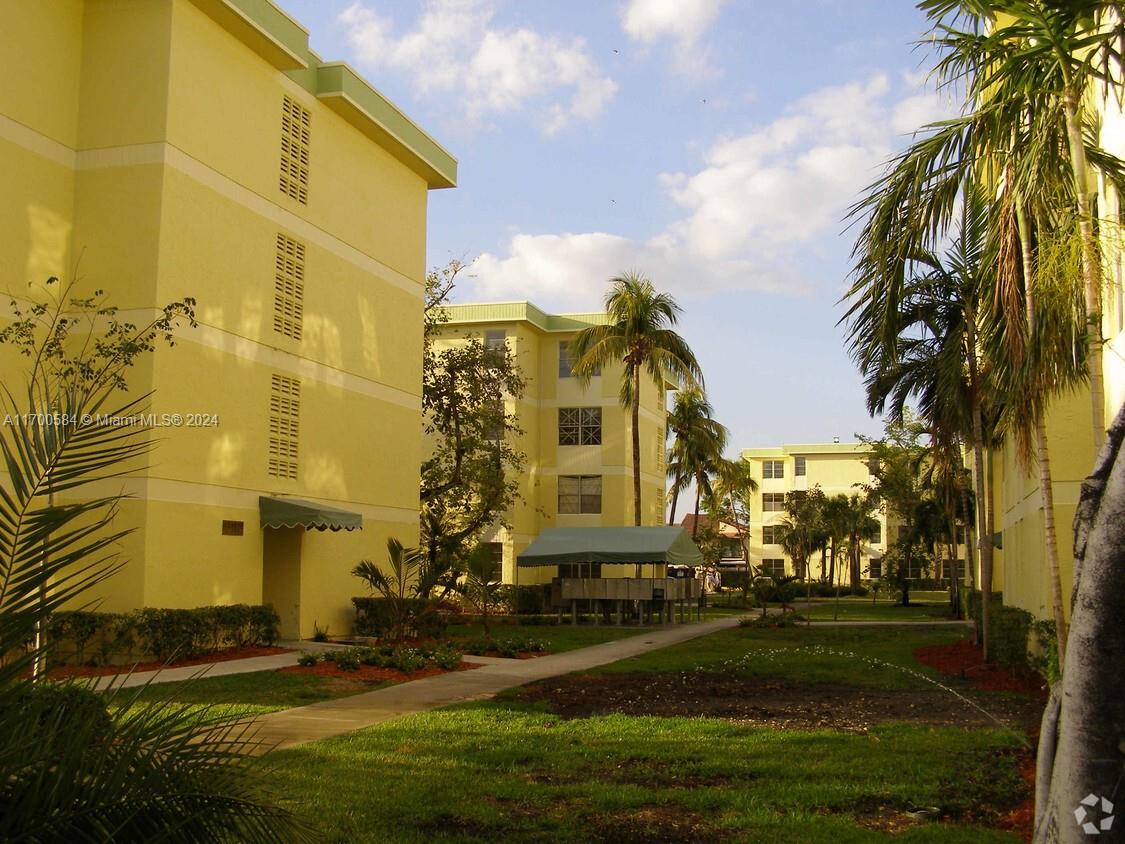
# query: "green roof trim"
{"points": [[267, 30], [469, 314], [295, 512], [353, 98], [632, 545]]}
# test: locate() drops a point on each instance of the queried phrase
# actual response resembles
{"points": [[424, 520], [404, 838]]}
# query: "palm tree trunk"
{"points": [[695, 521], [1091, 266], [675, 499], [636, 411], [1046, 488], [983, 508]]}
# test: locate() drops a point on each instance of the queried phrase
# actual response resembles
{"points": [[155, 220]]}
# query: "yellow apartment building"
{"points": [[577, 438], [838, 468], [163, 149]]}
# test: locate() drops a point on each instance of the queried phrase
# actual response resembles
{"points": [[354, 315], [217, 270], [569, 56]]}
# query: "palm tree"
{"points": [[732, 494], [857, 522], [698, 445], [1043, 56], [916, 333], [640, 335], [396, 584]]}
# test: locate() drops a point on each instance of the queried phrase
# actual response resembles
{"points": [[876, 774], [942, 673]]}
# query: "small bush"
{"points": [[308, 660], [348, 659], [788, 619], [409, 660], [446, 658], [1011, 628], [1045, 659], [526, 600]]}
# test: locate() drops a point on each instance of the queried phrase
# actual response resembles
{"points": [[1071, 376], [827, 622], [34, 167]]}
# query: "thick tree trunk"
{"points": [[1091, 265], [1080, 745]]}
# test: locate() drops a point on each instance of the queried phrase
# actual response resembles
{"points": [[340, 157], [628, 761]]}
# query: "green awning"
{"points": [[294, 512], [635, 545]]}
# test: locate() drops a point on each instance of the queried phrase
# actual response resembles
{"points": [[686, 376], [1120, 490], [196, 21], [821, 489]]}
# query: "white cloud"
{"points": [[762, 206], [683, 22], [454, 48]]}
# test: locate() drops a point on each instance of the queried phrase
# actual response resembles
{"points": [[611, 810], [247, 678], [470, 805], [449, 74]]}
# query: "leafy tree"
{"points": [[639, 335], [897, 486], [471, 478], [73, 765]]}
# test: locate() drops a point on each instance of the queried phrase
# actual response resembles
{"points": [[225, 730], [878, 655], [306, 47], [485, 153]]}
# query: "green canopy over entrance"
{"points": [[635, 545], [294, 512]]}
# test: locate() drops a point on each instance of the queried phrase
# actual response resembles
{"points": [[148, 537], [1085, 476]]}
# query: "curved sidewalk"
{"points": [[327, 718]]}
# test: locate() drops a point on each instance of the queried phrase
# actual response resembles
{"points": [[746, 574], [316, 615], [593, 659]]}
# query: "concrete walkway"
{"points": [[212, 669], [334, 717]]}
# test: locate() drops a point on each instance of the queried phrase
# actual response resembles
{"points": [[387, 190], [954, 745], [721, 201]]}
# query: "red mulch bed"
{"points": [[63, 671], [1021, 820], [966, 660], [372, 673]]}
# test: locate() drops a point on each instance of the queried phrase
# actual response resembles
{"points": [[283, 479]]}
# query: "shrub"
{"points": [[1045, 659], [48, 707], [788, 619], [478, 645], [348, 659], [408, 660], [526, 600], [308, 660], [1009, 637], [446, 657], [161, 633]]}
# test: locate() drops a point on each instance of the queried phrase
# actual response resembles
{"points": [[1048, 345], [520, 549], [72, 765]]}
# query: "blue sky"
{"points": [[714, 146]]}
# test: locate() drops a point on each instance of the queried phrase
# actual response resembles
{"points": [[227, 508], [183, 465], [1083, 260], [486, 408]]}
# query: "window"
{"points": [[295, 120], [773, 502], [799, 467], [876, 534], [566, 363], [285, 411], [774, 566], [580, 494], [580, 426], [773, 469], [875, 569], [495, 342], [496, 552], [947, 569], [770, 535], [496, 423], [288, 287]]}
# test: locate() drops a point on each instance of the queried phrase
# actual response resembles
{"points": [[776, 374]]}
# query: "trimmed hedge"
{"points": [[1009, 637], [374, 616], [531, 599], [163, 634]]}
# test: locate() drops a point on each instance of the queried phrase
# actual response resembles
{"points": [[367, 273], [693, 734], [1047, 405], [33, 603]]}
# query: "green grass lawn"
{"points": [[510, 769], [498, 771], [254, 693], [863, 609], [559, 637], [853, 656]]}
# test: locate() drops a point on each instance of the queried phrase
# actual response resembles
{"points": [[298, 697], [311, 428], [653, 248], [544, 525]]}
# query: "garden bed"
{"points": [[64, 671], [373, 673], [966, 660]]}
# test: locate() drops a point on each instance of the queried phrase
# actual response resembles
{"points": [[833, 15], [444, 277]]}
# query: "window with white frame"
{"points": [[773, 566], [773, 502], [799, 467], [579, 494], [773, 469], [771, 534]]}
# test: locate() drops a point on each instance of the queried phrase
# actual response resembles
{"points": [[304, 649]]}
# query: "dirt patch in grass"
{"points": [[965, 660], [372, 673], [652, 824], [226, 655], [772, 702]]}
